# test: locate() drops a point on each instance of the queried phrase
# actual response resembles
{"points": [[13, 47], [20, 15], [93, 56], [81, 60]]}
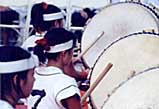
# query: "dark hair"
{"points": [[7, 54], [90, 12], [77, 19], [53, 37], [37, 13], [7, 83], [52, 9], [37, 17], [13, 53]]}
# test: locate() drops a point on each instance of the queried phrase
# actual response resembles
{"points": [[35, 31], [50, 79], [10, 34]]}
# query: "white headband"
{"points": [[61, 47], [20, 65], [53, 16]]}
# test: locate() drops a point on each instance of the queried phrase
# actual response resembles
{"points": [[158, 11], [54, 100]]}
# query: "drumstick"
{"points": [[81, 54], [100, 77]]}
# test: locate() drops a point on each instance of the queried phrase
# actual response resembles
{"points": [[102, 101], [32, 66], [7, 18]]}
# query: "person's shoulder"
{"points": [[30, 41], [67, 79], [5, 105], [29, 38], [55, 74]]}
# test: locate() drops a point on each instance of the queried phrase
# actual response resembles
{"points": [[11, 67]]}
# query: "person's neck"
{"points": [[12, 99], [41, 33], [55, 64]]}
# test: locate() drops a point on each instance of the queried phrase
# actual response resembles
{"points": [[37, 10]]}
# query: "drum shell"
{"points": [[138, 92], [128, 54]]}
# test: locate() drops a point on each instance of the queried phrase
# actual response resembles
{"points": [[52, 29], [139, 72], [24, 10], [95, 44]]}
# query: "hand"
{"points": [[84, 73], [78, 75]]}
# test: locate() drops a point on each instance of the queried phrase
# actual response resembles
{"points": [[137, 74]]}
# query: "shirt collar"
{"points": [[42, 34], [46, 71]]}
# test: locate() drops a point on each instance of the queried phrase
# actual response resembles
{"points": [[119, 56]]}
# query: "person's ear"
{"points": [[56, 24], [38, 30], [63, 53], [15, 79]]}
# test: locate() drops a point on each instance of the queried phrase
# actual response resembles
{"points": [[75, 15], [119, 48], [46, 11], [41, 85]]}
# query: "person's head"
{"points": [[77, 19], [16, 73], [57, 42], [90, 13], [53, 17], [37, 16], [45, 16]]}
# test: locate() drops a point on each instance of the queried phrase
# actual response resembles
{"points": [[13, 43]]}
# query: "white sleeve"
{"points": [[5, 105], [24, 45], [67, 88], [29, 42]]}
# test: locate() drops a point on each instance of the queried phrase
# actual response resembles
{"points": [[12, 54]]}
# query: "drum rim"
{"points": [[133, 2], [128, 79], [138, 34], [153, 12]]}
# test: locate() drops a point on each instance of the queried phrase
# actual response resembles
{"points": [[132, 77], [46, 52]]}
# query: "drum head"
{"points": [[139, 92], [115, 21], [131, 53]]}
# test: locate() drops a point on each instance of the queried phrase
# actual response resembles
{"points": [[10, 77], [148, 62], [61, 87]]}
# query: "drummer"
{"points": [[62, 93], [43, 17], [16, 75], [80, 19]]}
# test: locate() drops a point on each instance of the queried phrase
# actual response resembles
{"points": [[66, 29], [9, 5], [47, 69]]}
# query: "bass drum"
{"points": [[128, 54], [115, 21], [139, 92]]}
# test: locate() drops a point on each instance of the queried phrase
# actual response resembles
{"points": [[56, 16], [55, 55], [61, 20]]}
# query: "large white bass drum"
{"points": [[138, 92], [116, 20], [129, 55]]}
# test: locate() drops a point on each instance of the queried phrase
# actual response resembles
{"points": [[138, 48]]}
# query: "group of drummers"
{"points": [[45, 60], [40, 74]]}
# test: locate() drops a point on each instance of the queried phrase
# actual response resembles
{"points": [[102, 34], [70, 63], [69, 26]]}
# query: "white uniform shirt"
{"points": [[5, 105], [30, 42], [57, 86]]}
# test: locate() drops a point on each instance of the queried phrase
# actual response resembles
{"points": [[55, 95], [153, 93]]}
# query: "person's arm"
{"points": [[70, 70], [72, 102]]}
